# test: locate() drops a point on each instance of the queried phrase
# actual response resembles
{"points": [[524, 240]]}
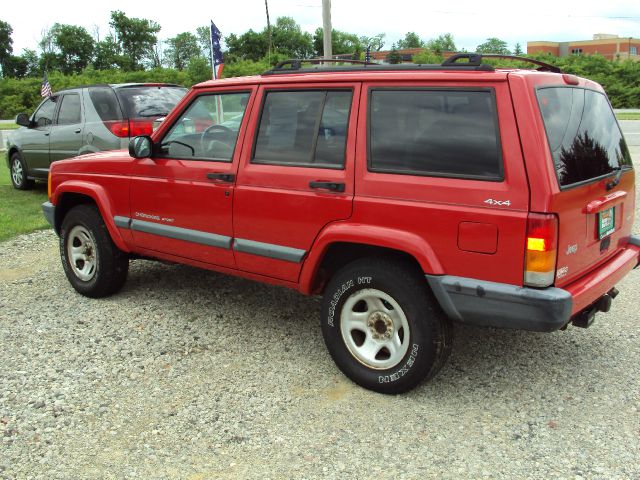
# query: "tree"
{"points": [[248, 46], [443, 43], [411, 40], [180, 49], [341, 43], [289, 39], [6, 45], [203, 34], [517, 50], [107, 54], [394, 56], [136, 38], [376, 42], [75, 47], [198, 70], [493, 45]]}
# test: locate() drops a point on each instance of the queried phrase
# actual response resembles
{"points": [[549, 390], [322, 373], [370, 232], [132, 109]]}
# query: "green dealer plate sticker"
{"points": [[606, 222]]}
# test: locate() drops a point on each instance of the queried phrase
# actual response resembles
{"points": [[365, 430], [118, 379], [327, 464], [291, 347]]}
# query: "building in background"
{"points": [[609, 46]]}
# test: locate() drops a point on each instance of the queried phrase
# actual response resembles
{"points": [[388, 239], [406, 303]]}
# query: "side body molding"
{"points": [[358, 233]]}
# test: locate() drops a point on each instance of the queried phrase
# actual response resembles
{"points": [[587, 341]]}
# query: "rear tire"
{"points": [[93, 264], [383, 327], [19, 172]]}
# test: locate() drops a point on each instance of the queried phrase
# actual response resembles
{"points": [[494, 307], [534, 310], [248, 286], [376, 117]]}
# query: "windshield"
{"points": [[585, 140], [149, 101]]}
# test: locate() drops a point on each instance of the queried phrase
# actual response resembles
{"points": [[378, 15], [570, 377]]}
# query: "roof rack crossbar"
{"points": [[296, 63]]}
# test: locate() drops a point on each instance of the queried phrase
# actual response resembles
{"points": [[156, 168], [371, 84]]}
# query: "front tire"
{"points": [[18, 172], [94, 266], [383, 327]]}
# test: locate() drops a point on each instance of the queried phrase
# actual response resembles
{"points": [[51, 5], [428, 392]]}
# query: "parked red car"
{"points": [[408, 196]]}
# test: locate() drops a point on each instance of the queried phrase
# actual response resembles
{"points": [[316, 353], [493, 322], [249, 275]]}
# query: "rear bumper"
{"points": [[589, 288], [491, 304]]}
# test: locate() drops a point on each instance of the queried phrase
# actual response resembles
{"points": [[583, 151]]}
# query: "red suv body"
{"points": [[408, 196]]}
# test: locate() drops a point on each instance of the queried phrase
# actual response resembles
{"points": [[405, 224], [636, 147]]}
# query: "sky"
{"points": [[470, 22]]}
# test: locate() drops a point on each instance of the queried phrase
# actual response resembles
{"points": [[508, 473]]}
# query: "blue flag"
{"points": [[217, 60]]}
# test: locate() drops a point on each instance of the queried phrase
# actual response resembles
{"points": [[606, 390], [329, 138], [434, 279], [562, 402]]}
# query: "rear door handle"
{"points": [[77, 131], [333, 186], [224, 177]]}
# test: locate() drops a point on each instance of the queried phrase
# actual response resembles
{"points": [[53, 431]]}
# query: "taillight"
{"points": [[541, 250], [130, 128], [140, 127], [120, 128], [49, 186]]}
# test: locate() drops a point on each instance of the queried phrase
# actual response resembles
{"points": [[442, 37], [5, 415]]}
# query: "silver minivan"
{"points": [[85, 120]]}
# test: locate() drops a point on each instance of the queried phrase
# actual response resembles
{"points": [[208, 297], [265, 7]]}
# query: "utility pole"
{"points": [[326, 27], [266, 7]]}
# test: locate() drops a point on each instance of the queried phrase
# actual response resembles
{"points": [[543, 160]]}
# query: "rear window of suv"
{"points": [[149, 101], [584, 138], [435, 132]]}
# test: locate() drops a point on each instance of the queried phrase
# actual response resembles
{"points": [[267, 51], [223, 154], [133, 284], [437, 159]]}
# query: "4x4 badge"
{"points": [[498, 203]]}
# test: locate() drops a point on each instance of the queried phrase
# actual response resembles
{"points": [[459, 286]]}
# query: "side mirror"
{"points": [[23, 120], [141, 147]]}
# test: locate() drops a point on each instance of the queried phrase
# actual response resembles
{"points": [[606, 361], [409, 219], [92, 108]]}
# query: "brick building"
{"points": [[609, 46]]}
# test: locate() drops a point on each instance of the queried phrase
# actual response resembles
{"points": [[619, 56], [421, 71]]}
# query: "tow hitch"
{"points": [[585, 318]]}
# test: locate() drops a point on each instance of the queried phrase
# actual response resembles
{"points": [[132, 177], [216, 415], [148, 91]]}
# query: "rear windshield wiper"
{"points": [[614, 183]]}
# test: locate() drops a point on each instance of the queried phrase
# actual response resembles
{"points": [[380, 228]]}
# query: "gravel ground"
{"points": [[195, 375]]}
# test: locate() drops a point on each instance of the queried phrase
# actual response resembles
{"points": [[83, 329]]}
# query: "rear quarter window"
{"points": [[435, 132], [584, 137]]}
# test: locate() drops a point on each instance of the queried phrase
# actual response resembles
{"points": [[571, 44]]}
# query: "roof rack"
{"points": [[475, 59], [473, 62], [295, 66]]}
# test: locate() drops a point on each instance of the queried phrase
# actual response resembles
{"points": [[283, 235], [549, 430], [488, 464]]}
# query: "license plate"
{"points": [[606, 222]]}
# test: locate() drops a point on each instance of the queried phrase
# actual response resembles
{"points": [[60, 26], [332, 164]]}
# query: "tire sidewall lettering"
{"points": [[402, 371], [335, 300]]}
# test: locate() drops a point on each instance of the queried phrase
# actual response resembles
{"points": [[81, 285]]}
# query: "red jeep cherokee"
{"points": [[408, 196]]}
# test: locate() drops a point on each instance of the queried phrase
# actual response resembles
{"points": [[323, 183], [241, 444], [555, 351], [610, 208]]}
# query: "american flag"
{"points": [[45, 88], [217, 61]]}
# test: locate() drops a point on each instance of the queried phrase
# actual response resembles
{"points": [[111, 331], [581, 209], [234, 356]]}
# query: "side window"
{"points": [[444, 133], [106, 104], [44, 115], [208, 129], [69, 113], [304, 128]]}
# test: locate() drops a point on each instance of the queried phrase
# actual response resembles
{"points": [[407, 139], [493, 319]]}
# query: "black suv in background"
{"points": [[85, 120]]}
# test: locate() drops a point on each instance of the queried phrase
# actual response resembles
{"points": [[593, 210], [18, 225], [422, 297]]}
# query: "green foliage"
{"points": [[517, 50], [245, 67], [6, 45], [410, 40], [376, 42], [394, 56], [493, 45], [136, 38], [75, 47], [198, 70], [181, 49], [443, 43], [428, 57], [341, 43], [23, 95]]}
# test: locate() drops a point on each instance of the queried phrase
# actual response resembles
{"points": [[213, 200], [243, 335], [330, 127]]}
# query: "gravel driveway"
{"points": [[195, 375]]}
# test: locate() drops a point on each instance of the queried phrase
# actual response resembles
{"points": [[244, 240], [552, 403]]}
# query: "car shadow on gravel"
{"points": [[482, 358]]}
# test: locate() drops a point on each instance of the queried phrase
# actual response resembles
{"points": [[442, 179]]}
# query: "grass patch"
{"points": [[9, 126], [20, 211], [628, 116]]}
